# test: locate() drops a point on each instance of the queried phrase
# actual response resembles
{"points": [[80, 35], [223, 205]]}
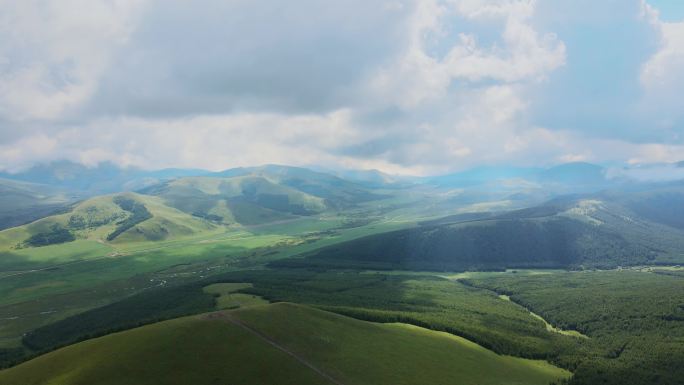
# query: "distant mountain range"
{"points": [[602, 230], [46, 188], [22, 202], [103, 179], [108, 178], [580, 175], [186, 205]]}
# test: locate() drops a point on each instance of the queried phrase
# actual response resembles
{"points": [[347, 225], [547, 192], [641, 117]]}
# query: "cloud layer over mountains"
{"points": [[405, 86]]}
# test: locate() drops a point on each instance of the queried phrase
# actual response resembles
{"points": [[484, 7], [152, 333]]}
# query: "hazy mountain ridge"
{"points": [[103, 178], [107, 177], [190, 205], [230, 200], [337, 191], [23, 202], [271, 193], [186, 229], [568, 177], [564, 233]]}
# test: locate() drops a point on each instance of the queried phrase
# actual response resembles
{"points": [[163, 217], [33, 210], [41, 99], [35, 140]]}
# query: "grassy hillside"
{"points": [[630, 317], [243, 199], [165, 223], [183, 351], [227, 296], [423, 300], [41, 285], [432, 302], [120, 218], [337, 192], [566, 234], [280, 343]]}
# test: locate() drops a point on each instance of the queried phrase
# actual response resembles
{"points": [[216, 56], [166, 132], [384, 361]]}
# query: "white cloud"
{"points": [[668, 62], [655, 153], [406, 86], [651, 173], [522, 55], [52, 53], [526, 53], [662, 76], [27, 151], [212, 141]]}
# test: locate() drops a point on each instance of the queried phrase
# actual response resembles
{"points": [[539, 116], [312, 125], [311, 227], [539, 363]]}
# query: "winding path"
{"points": [[227, 317]]}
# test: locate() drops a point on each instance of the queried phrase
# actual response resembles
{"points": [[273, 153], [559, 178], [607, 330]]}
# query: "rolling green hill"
{"points": [[179, 208], [119, 218], [200, 243], [245, 200], [562, 234], [337, 192], [278, 344]]}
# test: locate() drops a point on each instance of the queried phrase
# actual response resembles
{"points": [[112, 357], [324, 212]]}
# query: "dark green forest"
{"points": [[634, 320], [555, 242], [56, 235], [139, 213]]}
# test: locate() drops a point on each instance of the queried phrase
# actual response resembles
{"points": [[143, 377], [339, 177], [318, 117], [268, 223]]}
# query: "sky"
{"points": [[403, 86]]}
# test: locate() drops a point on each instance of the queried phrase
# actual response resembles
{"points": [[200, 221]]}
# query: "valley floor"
{"points": [[330, 323]]}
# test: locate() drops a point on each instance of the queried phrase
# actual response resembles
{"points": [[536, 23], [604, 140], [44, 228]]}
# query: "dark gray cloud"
{"points": [[303, 56]]}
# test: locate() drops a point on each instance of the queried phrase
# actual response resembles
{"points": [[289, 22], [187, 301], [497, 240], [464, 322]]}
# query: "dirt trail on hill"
{"points": [[227, 317]]}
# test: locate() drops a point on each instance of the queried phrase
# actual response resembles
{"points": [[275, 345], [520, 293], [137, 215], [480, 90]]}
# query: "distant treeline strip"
{"points": [[57, 234], [146, 307]]}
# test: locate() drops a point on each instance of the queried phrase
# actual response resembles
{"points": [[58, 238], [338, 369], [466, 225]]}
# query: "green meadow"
{"points": [[40, 285], [280, 343], [297, 289], [228, 298]]}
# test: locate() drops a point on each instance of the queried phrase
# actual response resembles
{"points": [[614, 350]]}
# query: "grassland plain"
{"points": [[634, 331], [635, 320], [227, 298], [432, 302], [41, 285], [422, 300], [181, 351], [20, 283], [271, 344], [140, 309]]}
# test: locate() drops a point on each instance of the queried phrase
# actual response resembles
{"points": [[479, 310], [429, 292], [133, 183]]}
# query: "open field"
{"points": [[551, 315], [48, 283], [185, 351], [281, 343], [227, 298], [443, 304], [129, 260], [422, 300]]}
